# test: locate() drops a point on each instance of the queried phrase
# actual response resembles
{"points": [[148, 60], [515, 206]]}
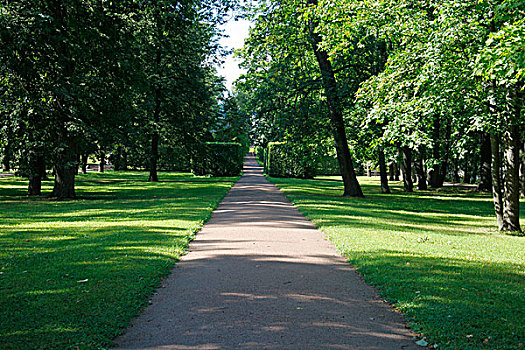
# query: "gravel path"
{"points": [[261, 276]]}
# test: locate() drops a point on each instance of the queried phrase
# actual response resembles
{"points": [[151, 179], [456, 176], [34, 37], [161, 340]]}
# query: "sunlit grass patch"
{"points": [[435, 255], [73, 273]]}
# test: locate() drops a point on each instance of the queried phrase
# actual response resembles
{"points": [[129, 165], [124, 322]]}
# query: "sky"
{"points": [[237, 32]]}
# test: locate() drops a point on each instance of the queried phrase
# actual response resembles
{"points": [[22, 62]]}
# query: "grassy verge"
{"points": [[74, 273], [436, 256]]}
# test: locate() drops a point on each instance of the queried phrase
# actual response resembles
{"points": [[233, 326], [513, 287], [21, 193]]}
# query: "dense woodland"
{"points": [[434, 90], [129, 81]]}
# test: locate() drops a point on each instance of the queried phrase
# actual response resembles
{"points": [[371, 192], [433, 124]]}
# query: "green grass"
{"points": [[74, 273], [436, 256]]}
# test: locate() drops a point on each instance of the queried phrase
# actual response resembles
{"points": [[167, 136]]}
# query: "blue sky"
{"points": [[237, 32]]}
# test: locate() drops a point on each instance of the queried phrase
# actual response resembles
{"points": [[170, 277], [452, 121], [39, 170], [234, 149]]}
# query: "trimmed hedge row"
{"points": [[260, 155], [219, 159], [328, 165], [284, 159]]}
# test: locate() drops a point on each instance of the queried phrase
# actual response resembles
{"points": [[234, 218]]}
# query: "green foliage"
{"points": [[286, 159], [219, 159], [434, 256], [74, 273], [260, 155], [327, 165]]}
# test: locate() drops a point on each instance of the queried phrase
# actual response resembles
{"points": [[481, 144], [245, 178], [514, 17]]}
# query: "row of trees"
{"points": [[437, 86], [80, 77]]}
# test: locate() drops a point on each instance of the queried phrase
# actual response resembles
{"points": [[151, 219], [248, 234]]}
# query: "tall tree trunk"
{"points": [[485, 178], [396, 171], [512, 142], [79, 161], [446, 154], [420, 170], [522, 169], [382, 171], [153, 176], [65, 171], [351, 185], [37, 169], [433, 174], [496, 179], [84, 162], [66, 162], [102, 162], [407, 169], [466, 173], [6, 159], [124, 159], [154, 155], [391, 171]]}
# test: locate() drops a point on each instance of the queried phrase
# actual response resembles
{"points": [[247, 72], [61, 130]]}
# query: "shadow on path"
{"points": [[260, 276]]}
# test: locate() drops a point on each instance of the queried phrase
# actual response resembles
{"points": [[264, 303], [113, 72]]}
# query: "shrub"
{"points": [[327, 164], [173, 159], [285, 159], [219, 159], [260, 154]]}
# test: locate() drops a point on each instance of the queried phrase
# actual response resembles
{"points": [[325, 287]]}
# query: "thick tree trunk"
{"points": [[6, 160], [496, 179], [35, 186], [391, 172], [38, 169], [512, 142], [65, 172], [351, 185], [522, 169], [153, 176], [407, 169], [154, 155], [102, 162], [84, 162], [119, 160], [396, 172], [433, 174], [382, 172], [485, 178], [420, 171], [123, 159]]}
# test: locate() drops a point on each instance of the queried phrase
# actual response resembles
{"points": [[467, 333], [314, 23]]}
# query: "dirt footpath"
{"points": [[261, 276]]}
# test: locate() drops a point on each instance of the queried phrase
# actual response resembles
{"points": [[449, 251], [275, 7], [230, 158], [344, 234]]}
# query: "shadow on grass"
{"points": [[458, 303], [81, 291], [73, 273], [463, 288]]}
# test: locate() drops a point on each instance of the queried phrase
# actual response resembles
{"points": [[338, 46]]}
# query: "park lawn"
{"points": [[74, 273], [435, 255]]}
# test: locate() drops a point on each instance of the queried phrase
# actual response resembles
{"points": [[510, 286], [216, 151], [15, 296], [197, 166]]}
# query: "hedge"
{"points": [[284, 159], [219, 159], [328, 164], [260, 154]]}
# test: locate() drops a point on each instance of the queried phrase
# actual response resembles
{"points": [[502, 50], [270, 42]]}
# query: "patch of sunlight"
{"points": [[50, 291]]}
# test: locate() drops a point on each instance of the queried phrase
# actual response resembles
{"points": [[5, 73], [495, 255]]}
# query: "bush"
{"points": [[219, 159], [260, 154], [173, 159], [327, 165], [285, 159]]}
